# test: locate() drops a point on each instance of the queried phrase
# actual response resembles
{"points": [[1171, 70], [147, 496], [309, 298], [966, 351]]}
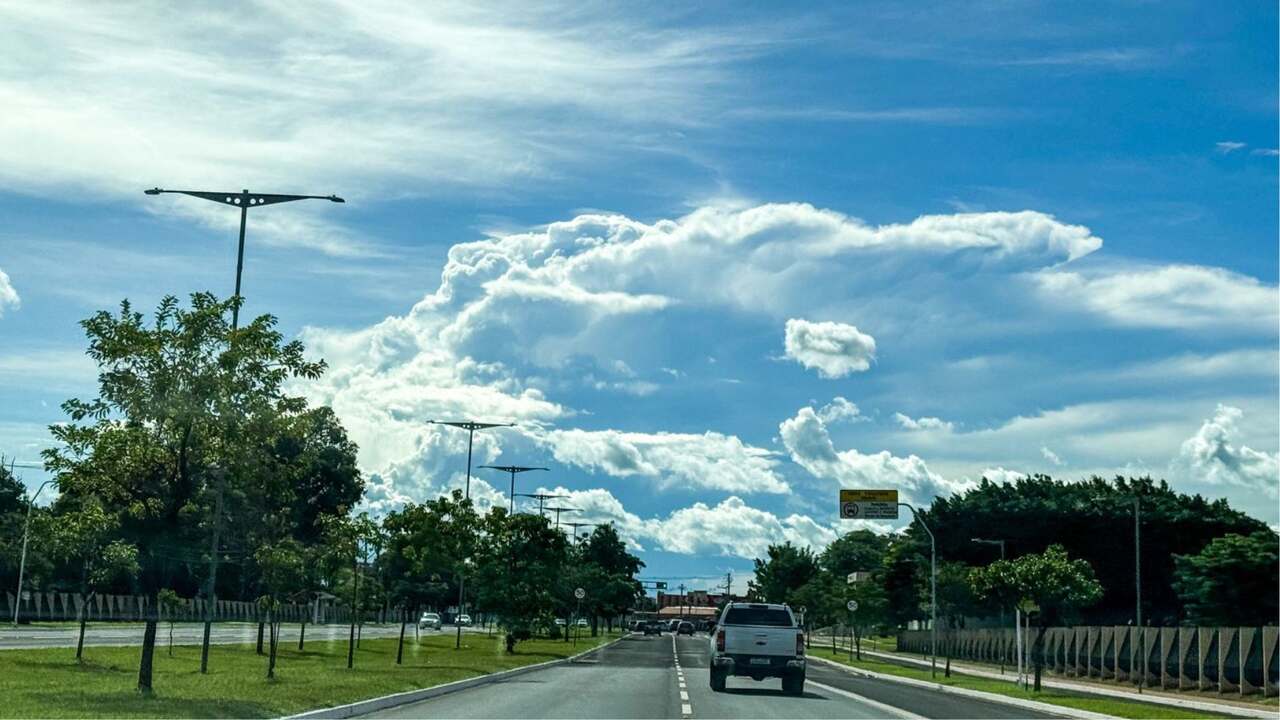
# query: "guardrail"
{"points": [[1221, 659]]}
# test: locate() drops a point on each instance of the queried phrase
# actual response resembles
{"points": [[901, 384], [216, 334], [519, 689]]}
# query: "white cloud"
{"points": [[840, 410], [1228, 146], [710, 461], [1210, 456], [733, 528], [8, 295], [1051, 456], [1002, 476], [834, 349], [1266, 152], [1183, 297], [924, 423], [806, 438]]}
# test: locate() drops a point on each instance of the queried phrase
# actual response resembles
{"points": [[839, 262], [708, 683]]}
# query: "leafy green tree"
{"points": [[613, 587], [873, 605], [1050, 581], [856, 551], [282, 567], [169, 603], [518, 560], [346, 541], [784, 571], [414, 563], [1092, 519], [1232, 581], [173, 425], [956, 600], [905, 564], [85, 536]]}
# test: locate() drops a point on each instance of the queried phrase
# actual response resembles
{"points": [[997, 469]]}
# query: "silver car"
{"points": [[429, 621]]}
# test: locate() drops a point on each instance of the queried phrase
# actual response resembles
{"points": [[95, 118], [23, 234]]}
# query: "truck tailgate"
{"points": [[751, 640]]}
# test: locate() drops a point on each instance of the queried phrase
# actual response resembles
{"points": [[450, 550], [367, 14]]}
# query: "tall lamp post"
{"points": [[558, 510], [576, 525], [471, 428], [26, 535], [981, 541], [542, 498], [513, 469], [933, 591], [243, 200]]}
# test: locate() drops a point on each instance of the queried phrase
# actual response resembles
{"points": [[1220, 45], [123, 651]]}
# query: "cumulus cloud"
{"points": [[1001, 475], [1051, 456], [1182, 297], [834, 349], [840, 410], [806, 438], [1211, 456], [8, 296], [924, 423], [710, 460]]}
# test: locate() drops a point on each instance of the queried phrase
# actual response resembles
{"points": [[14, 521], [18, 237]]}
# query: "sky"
{"points": [[715, 263]]}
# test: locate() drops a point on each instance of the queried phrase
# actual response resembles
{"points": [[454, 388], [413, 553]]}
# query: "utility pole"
{"points": [[1137, 583], [683, 600], [575, 527], [471, 428], [933, 590], [243, 200], [513, 469], [1001, 544]]}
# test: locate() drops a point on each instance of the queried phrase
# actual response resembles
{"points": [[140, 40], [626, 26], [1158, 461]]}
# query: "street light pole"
{"points": [[558, 510], [471, 428], [541, 498], [26, 535], [1137, 582], [513, 469], [575, 527], [1001, 544], [243, 200], [933, 591]]}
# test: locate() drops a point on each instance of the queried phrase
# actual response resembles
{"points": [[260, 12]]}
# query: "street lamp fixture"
{"points": [[542, 498], [576, 525], [513, 469], [558, 510]]}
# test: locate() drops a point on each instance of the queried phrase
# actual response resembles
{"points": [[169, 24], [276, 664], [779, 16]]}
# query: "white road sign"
{"points": [[579, 593], [852, 605]]}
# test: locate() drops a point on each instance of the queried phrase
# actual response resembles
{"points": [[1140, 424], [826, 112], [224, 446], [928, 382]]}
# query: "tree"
{"points": [[85, 536], [956, 600], [1091, 519], [1049, 581], [1232, 581], [345, 543], [281, 564], [171, 427], [856, 551], [784, 571], [169, 603], [614, 587], [905, 563], [518, 560]]}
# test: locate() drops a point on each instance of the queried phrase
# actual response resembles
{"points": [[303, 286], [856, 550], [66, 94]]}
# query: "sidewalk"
{"points": [[1127, 692]]}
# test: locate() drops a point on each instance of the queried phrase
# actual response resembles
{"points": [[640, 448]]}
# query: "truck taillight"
{"points": [[799, 643], [720, 640]]}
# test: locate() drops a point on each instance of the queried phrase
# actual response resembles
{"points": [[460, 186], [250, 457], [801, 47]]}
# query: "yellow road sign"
{"points": [[869, 496], [869, 504]]}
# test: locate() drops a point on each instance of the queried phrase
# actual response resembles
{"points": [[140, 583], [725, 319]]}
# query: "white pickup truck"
{"points": [[758, 640]]}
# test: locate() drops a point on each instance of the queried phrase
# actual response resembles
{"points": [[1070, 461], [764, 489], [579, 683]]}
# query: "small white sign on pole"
{"points": [[852, 605], [579, 593]]}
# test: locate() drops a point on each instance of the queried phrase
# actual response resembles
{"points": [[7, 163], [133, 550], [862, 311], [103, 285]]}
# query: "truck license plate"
{"points": [[759, 661]]}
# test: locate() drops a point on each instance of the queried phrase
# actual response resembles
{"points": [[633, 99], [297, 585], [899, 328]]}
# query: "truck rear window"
{"points": [[758, 616]]}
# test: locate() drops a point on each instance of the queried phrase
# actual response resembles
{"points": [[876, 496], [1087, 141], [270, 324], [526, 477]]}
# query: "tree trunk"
{"points": [[171, 637], [148, 656], [302, 632], [351, 645], [261, 625], [204, 645], [511, 642], [857, 641], [271, 659], [400, 645], [80, 640], [1038, 656]]}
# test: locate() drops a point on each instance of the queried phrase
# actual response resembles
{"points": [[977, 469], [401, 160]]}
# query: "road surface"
{"points": [[665, 677], [124, 634]]}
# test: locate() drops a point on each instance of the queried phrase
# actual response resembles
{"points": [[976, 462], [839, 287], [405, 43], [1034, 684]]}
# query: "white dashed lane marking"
{"points": [[686, 709]]}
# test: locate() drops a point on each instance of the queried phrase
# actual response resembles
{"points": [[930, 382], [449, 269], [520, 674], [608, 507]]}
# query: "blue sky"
{"points": [[716, 263]]}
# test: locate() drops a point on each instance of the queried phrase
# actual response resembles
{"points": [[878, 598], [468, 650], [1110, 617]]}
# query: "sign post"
{"points": [[578, 593], [869, 504]]}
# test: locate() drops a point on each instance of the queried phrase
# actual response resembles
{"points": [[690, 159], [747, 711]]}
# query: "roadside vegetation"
{"points": [[1116, 707], [51, 684], [194, 442]]}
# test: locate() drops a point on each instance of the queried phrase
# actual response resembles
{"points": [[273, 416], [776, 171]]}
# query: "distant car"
{"points": [[684, 628], [673, 626], [653, 628], [464, 620], [582, 622], [637, 626], [429, 621]]}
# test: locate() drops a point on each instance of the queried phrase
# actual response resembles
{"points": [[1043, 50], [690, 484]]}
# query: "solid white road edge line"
{"points": [[1059, 710], [882, 707]]}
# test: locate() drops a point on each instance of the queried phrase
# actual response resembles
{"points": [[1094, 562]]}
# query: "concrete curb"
{"points": [[364, 707], [1099, 690], [976, 694]]}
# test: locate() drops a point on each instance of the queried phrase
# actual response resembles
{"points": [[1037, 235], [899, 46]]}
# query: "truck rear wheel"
{"points": [[717, 680]]}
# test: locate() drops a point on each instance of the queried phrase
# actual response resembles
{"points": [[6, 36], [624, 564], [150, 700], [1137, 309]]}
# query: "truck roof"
{"points": [[760, 606]]}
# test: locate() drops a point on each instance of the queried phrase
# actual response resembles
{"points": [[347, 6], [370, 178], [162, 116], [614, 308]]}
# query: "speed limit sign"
{"points": [[579, 593], [852, 605]]}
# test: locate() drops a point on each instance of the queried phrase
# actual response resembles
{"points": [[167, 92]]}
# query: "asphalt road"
{"points": [[666, 677], [124, 634]]}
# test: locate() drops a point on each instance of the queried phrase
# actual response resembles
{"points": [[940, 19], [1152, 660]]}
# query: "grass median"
{"points": [[1116, 707], [49, 683]]}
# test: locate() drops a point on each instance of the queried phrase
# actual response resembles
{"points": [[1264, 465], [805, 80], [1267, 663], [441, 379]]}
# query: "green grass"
{"points": [[1106, 705], [49, 683]]}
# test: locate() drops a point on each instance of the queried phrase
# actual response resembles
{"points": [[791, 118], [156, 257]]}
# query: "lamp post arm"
{"points": [[933, 589]]}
